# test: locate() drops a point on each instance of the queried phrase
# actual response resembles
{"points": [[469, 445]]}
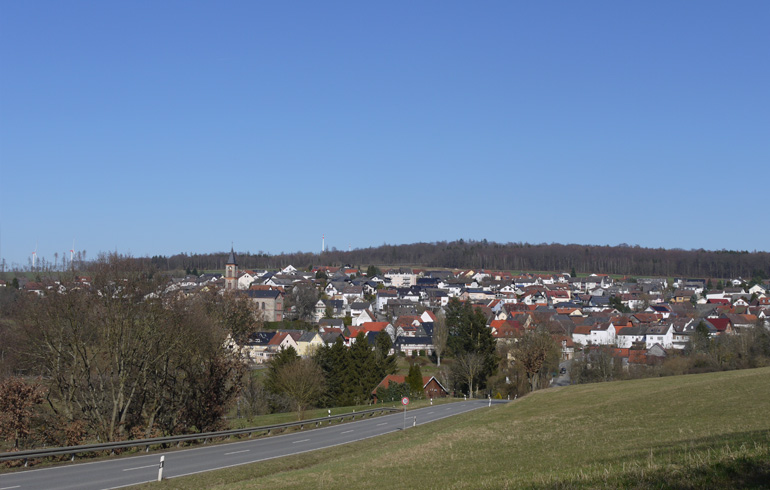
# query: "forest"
{"points": [[461, 254]]}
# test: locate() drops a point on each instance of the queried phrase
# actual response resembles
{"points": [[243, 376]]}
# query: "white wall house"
{"points": [[660, 334], [626, 337], [603, 334]]}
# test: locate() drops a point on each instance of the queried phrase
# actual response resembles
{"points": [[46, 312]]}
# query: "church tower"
{"points": [[231, 272]]}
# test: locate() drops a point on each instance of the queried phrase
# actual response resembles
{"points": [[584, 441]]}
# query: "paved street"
{"points": [[119, 472]]}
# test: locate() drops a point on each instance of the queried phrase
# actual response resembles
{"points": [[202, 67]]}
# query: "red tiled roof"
{"points": [[620, 352], [372, 327], [406, 320], [720, 324], [637, 356], [398, 379], [277, 338]]}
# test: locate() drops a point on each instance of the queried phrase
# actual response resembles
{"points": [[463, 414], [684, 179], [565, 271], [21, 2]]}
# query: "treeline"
{"points": [[622, 259]]}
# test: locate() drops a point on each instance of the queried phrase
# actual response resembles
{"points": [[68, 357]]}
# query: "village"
{"points": [[642, 319]]}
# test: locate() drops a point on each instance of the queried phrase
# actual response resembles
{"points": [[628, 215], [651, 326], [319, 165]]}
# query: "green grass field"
{"points": [[697, 431]]}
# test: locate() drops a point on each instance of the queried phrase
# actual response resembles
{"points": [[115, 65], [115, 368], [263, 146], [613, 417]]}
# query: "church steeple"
{"points": [[231, 272]]}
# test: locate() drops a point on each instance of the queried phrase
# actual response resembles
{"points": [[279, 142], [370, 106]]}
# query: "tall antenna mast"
{"points": [[323, 243]]}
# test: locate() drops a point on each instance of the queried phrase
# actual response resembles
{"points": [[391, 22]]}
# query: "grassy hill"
{"points": [[698, 431]]}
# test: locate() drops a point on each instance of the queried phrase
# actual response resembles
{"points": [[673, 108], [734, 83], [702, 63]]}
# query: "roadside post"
{"points": [[405, 402], [160, 468]]}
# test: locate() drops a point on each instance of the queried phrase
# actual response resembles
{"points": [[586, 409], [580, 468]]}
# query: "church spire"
{"points": [[231, 259], [231, 272]]}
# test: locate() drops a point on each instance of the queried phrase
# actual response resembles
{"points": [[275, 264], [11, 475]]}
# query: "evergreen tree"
{"points": [[284, 357], [385, 361], [335, 363], [414, 380], [469, 334], [364, 372], [372, 271]]}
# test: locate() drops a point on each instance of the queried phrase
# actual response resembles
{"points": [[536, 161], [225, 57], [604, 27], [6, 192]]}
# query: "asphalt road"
{"points": [[563, 379], [121, 472]]}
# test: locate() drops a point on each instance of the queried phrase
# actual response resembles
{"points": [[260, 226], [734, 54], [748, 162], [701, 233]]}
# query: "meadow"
{"points": [[696, 431]]}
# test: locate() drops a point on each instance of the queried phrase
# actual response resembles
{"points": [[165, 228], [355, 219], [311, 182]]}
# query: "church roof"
{"points": [[231, 258]]}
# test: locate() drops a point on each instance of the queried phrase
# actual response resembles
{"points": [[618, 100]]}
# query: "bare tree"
{"points": [[120, 356], [469, 365], [535, 351], [440, 336], [301, 382], [304, 298]]}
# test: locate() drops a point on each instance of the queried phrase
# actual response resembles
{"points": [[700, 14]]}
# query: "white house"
{"points": [[603, 334], [660, 334], [402, 278], [245, 280], [365, 316], [627, 336]]}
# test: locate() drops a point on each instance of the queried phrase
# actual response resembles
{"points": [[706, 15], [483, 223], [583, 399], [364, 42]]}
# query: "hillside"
{"points": [[617, 260], [698, 431]]}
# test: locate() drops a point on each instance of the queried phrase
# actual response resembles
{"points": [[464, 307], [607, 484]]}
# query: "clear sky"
{"points": [[183, 126]]}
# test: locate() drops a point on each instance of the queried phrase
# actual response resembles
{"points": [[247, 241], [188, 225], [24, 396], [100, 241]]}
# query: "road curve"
{"points": [[121, 472]]}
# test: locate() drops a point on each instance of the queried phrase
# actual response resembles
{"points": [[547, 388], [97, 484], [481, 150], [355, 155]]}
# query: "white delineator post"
{"points": [[160, 468]]}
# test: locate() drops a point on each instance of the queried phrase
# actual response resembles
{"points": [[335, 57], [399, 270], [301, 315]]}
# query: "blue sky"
{"points": [[166, 127]]}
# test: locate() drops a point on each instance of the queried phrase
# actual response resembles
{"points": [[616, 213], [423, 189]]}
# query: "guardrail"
{"points": [[112, 446]]}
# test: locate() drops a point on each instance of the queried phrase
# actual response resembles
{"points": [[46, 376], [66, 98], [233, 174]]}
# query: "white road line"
{"points": [[346, 432], [303, 440], [9, 488], [238, 452], [430, 413], [142, 467], [384, 423]]}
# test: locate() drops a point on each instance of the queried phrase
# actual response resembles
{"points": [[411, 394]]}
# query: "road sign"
{"points": [[405, 401]]}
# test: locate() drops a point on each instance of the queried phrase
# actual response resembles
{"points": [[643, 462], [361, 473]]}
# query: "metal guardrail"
{"points": [[111, 446]]}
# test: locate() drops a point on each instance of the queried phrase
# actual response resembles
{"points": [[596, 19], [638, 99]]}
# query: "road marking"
{"points": [[346, 432], [384, 423], [142, 467], [238, 452], [9, 488], [430, 413], [303, 440]]}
